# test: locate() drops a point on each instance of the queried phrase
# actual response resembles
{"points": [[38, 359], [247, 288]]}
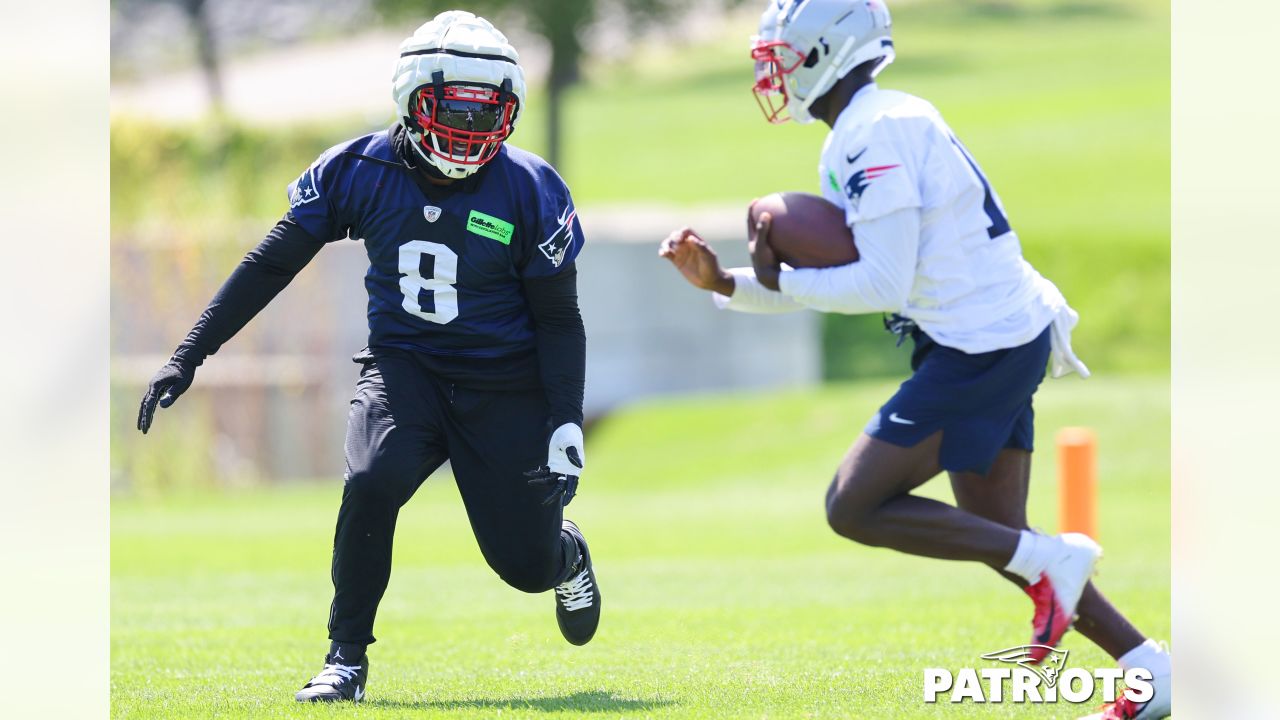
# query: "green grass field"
{"points": [[725, 593]]}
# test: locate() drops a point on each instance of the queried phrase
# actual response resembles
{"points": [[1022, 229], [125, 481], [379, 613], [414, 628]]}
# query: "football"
{"points": [[807, 231]]}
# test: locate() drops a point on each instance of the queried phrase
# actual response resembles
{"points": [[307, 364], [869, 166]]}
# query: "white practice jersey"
{"points": [[972, 290]]}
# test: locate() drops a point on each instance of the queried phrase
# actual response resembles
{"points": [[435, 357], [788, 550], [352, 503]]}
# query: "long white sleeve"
{"points": [[752, 297], [879, 281]]}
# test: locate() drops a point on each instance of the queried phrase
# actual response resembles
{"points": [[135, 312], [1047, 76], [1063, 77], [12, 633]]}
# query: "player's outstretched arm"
{"points": [[263, 273], [696, 261], [734, 289]]}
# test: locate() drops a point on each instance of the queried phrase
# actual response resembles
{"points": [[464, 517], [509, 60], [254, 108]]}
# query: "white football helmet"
{"points": [[458, 88], [806, 46]]}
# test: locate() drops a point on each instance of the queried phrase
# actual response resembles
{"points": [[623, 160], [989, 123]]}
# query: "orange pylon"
{"points": [[1077, 481]]}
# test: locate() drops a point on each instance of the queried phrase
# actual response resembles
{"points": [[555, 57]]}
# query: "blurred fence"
{"points": [[272, 404]]}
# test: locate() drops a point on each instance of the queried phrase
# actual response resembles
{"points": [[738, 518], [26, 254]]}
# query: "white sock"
{"points": [[1032, 556], [1150, 656]]}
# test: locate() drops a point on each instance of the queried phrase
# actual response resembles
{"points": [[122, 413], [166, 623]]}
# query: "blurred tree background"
{"points": [[561, 23]]}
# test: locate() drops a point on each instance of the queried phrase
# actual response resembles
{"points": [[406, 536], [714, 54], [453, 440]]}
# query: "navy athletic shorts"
{"points": [[981, 402]]}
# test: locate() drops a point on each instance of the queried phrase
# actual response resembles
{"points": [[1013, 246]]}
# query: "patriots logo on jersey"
{"points": [[557, 246], [304, 190], [861, 180]]}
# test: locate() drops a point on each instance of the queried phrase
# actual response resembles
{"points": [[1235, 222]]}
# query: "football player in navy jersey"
{"points": [[476, 348]]}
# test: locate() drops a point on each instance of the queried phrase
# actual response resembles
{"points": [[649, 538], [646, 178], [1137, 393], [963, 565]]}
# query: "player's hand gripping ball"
{"points": [[799, 229]]}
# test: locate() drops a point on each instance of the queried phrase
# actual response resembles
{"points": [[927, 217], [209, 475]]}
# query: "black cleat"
{"points": [[337, 682], [578, 598]]}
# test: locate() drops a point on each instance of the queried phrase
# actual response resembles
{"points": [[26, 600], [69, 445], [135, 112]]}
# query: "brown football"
{"points": [[807, 231]]}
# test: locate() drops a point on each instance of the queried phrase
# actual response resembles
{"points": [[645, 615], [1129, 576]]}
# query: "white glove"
{"points": [[1062, 360], [565, 455]]}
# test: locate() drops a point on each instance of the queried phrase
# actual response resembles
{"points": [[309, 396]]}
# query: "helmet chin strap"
{"points": [[504, 92], [430, 168], [424, 163]]}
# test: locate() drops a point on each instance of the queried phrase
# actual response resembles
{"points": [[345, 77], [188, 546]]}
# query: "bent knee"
{"points": [[853, 527], [851, 519], [528, 577]]}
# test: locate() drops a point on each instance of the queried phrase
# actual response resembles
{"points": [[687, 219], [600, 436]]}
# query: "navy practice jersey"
{"points": [[446, 264]]}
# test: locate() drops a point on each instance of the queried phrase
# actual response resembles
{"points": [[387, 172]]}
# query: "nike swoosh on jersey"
{"points": [[854, 158], [896, 418]]}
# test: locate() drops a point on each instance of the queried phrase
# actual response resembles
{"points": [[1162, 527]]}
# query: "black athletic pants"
{"points": [[403, 424]]}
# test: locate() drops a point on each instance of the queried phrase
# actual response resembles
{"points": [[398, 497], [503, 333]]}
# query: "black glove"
{"points": [[172, 380], [559, 485]]}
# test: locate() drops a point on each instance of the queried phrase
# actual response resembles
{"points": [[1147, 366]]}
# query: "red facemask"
{"points": [[775, 59], [468, 124]]}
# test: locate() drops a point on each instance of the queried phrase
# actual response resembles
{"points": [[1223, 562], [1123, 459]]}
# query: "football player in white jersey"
{"points": [[937, 251]]}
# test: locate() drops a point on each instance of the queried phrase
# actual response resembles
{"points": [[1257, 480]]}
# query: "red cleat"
{"points": [[1057, 592], [1050, 623]]}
